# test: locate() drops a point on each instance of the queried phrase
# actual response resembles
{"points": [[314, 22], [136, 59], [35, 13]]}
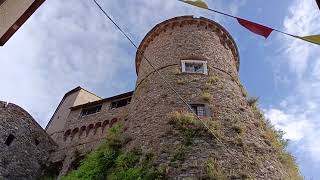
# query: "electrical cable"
{"points": [[170, 86]]}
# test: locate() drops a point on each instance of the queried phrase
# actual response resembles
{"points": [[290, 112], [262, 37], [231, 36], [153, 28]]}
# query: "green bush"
{"points": [[110, 161]]}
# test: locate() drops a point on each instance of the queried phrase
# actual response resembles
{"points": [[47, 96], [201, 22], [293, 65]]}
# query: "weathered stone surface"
{"points": [[190, 38], [30, 149], [238, 145]]}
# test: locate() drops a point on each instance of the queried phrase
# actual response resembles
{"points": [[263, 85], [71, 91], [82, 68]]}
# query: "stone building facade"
{"points": [[25, 148], [208, 81], [200, 60]]}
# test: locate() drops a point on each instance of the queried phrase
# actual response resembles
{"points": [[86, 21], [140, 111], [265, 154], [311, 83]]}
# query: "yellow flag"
{"points": [[198, 3], [314, 39]]}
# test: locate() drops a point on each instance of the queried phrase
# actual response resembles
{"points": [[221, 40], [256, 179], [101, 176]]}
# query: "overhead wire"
{"points": [[315, 39], [170, 86]]}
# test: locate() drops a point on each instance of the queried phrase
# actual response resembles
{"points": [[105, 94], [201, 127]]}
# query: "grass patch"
{"points": [[213, 79], [206, 96], [180, 154], [109, 161], [184, 119], [214, 171], [275, 139]]}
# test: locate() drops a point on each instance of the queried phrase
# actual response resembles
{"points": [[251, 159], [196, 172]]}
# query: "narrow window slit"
{"points": [[9, 139]]}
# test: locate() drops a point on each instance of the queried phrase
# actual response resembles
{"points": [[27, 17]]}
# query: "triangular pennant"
{"points": [[198, 3], [314, 39], [255, 28]]}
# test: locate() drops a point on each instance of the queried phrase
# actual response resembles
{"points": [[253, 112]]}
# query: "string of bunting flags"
{"points": [[256, 28]]}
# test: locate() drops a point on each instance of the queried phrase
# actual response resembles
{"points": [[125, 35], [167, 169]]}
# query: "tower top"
{"points": [[181, 21]]}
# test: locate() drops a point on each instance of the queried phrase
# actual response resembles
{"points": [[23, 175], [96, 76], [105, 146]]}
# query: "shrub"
{"points": [[109, 161]]}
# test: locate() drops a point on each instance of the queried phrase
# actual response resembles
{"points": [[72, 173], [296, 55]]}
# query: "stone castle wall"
{"points": [[30, 148], [83, 134], [188, 38]]}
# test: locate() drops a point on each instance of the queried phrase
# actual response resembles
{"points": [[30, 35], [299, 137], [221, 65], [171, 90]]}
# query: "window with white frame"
{"points": [[194, 66], [199, 109]]}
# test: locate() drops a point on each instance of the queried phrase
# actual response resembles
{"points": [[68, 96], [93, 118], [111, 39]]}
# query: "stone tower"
{"points": [[200, 60]]}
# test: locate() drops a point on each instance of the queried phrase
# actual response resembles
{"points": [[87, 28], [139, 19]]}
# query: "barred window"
{"points": [[199, 109], [194, 66]]}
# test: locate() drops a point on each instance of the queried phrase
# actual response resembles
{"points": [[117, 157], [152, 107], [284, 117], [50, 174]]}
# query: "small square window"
{"points": [[199, 109], [194, 66]]}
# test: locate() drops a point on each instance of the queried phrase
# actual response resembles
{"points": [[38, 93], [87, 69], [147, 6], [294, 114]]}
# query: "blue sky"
{"points": [[70, 43]]}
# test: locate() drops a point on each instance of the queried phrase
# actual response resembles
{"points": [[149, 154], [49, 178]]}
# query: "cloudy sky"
{"points": [[70, 43]]}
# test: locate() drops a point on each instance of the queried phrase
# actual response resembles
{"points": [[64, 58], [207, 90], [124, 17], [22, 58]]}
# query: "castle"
{"points": [[200, 60]]}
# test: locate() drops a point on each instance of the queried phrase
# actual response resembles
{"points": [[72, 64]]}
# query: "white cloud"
{"points": [[297, 114], [304, 19], [295, 125], [70, 43]]}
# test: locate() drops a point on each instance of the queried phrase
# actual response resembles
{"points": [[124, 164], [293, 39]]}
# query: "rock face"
{"points": [[25, 146], [244, 152]]}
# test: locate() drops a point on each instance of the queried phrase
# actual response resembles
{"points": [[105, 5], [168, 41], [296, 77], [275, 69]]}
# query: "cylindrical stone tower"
{"points": [[200, 60]]}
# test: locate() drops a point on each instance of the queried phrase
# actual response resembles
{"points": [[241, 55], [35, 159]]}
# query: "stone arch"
{"points": [[114, 120], [66, 134], [74, 132], [82, 129], [89, 129], [104, 125], [97, 127]]}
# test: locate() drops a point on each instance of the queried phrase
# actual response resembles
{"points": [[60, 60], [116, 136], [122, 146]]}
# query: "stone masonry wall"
{"points": [[29, 151], [83, 134], [188, 38]]}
